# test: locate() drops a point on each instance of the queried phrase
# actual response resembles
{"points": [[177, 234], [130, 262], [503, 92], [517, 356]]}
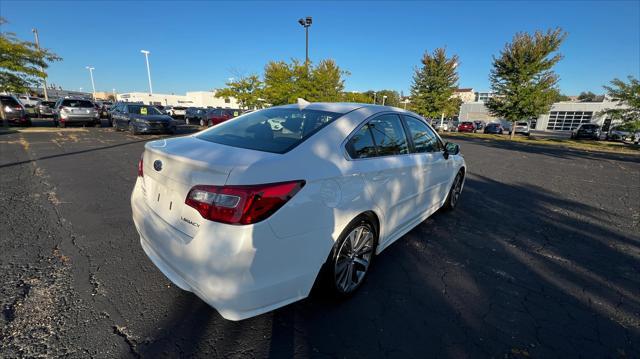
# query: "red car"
{"points": [[219, 115], [466, 127]]}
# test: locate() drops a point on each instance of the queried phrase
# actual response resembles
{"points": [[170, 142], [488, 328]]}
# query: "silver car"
{"points": [[75, 111], [522, 128], [45, 108]]}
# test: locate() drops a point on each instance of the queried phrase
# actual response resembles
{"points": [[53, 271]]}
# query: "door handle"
{"points": [[380, 177]]}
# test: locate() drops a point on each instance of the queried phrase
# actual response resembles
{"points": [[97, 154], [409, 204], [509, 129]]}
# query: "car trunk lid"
{"points": [[172, 167]]}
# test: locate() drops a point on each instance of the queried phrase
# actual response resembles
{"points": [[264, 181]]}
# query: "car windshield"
{"points": [[522, 124], [77, 103], [589, 127], [143, 110], [467, 123], [276, 130], [48, 103]]}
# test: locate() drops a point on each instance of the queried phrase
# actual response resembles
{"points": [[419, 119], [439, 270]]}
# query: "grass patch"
{"points": [[585, 145]]}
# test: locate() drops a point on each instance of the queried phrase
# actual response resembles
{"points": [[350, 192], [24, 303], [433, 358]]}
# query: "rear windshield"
{"points": [[48, 103], [76, 103], [522, 124], [589, 126], [276, 130], [143, 110], [9, 101]]}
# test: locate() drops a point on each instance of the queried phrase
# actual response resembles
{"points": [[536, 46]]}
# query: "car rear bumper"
{"points": [[241, 271], [84, 118]]}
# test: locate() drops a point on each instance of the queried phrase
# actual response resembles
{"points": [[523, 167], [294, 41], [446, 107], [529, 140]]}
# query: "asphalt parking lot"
{"points": [[540, 259]]}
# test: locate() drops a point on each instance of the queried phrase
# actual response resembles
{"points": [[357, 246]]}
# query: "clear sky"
{"points": [[199, 45]]}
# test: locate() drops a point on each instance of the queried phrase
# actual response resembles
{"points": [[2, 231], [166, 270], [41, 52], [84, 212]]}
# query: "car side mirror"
{"points": [[451, 149]]}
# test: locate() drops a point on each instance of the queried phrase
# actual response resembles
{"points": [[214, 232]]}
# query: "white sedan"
{"points": [[247, 216]]}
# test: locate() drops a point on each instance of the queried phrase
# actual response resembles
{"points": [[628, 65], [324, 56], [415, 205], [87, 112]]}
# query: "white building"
{"points": [[190, 99], [563, 116]]}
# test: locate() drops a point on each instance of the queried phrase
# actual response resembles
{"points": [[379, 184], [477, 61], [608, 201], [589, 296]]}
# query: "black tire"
{"points": [[453, 197], [334, 276], [203, 123], [63, 124], [132, 129]]}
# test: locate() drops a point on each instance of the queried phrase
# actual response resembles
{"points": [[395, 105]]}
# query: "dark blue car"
{"points": [[495, 128], [139, 118]]}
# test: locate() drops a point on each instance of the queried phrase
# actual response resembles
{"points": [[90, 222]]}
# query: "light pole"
{"points": [[375, 98], [146, 57], [93, 85], [306, 22], [383, 99], [114, 95], [44, 77]]}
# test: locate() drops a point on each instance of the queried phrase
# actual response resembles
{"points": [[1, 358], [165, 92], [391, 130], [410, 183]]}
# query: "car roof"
{"points": [[338, 107]]}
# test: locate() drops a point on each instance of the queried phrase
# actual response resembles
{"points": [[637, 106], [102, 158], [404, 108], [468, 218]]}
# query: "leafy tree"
{"points": [[560, 97], [22, 64], [285, 82], [357, 97], [627, 96], [393, 98], [434, 84], [522, 76], [587, 96], [246, 90]]}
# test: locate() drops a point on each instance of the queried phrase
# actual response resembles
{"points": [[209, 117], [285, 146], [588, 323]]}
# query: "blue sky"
{"points": [[199, 45]]}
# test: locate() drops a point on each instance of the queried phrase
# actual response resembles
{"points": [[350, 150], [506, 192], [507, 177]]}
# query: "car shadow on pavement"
{"points": [[514, 271], [550, 150]]}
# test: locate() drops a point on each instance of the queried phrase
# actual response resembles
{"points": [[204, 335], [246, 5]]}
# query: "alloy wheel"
{"points": [[353, 259], [456, 190]]}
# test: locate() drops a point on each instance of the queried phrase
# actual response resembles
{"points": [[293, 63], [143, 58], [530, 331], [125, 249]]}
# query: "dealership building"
{"points": [[190, 99], [563, 116]]}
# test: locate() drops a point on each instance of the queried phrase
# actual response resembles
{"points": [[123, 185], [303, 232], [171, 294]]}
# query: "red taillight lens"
{"points": [[241, 204], [141, 166]]}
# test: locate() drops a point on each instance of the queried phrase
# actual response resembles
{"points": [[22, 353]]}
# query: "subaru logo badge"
{"points": [[157, 165]]}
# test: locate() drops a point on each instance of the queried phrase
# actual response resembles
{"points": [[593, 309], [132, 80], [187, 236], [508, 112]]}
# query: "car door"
{"points": [[119, 114], [433, 171], [382, 157]]}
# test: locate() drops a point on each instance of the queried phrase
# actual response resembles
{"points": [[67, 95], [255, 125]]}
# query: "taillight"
{"points": [[241, 204], [141, 166]]}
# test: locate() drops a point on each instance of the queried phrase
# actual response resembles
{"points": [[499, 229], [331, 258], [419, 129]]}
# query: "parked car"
{"points": [[28, 101], [616, 134], [45, 108], [177, 112], [138, 118], [218, 115], [12, 111], [194, 115], [225, 213], [466, 126], [441, 126], [522, 128], [586, 130], [104, 109], [75, 111], [479, 126], [494, 128]]}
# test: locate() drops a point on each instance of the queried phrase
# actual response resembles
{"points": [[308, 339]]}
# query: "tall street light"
{"points": [[93, 85], [44, 77], [146, 56], [383, 99], [306, 22]]}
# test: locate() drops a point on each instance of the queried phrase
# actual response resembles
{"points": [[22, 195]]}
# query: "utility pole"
{"points": [[44, 78]]}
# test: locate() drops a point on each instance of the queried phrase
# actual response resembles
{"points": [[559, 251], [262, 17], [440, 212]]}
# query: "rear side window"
{"points": [[276, 130], [77, 103], [388, 135], [361, 144], [424, 140]]}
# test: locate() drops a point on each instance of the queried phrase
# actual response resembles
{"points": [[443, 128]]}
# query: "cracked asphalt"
{"points": [[540, 259]]}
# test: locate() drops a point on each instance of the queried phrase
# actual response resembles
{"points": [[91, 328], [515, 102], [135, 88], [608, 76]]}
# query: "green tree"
{"points": [[522, 76], [285, 82], [357, 97], [560, 97], [434, 84], [246, 90], [393, 98], [22, 64], [587, 96], [627, 97]]}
